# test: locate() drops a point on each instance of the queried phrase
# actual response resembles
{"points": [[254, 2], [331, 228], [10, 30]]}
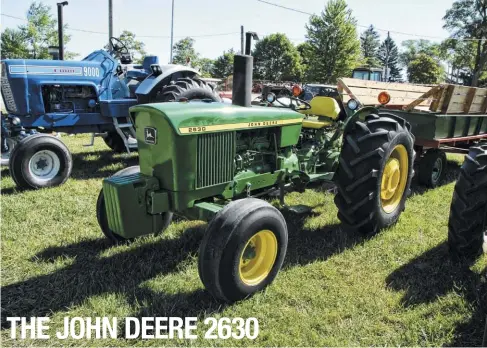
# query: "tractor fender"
{"points": [[152, 83]]}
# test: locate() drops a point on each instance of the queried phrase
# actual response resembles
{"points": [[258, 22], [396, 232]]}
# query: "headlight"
{"points": [[270, 97], [352, 104], [16, 121]]}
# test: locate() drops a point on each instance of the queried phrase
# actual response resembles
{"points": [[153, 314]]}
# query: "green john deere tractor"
{"points": [[210, 161]]}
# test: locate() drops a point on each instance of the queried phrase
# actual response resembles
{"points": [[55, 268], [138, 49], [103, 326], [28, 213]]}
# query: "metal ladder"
{"points": [[119, 127], [126, 137]]}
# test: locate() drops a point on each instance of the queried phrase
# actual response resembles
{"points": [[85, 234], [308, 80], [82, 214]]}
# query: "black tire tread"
{"points": [[17, 158], [358, 173], [468, 211], [184, 87], [218, 234]]}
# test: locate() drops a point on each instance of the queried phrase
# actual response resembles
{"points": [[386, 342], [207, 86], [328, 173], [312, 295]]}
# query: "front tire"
{"points": [[467, 227], [101, 213], [374, 173], [243, 249], [40, 161]]}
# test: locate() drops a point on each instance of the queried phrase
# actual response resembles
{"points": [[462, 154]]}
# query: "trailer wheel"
{"points": [[243, 249], [374, 173], [101, 214], [432, 168], [467, 227], [187, 88], [40, 160]]}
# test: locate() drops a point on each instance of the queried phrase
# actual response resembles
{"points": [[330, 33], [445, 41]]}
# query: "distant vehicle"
{"points": [[370, 74]]}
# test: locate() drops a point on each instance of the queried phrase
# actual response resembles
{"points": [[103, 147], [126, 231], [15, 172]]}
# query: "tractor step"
{"points": [[125, 125], [129, 139]]}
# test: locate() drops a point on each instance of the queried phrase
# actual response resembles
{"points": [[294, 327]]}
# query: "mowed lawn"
{"points": [[336, 288]]}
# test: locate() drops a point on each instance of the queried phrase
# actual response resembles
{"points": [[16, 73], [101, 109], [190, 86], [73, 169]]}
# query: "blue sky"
{"points": [[422, 18]]}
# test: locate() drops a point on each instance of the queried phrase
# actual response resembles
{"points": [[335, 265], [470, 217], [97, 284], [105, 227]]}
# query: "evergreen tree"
{"points": [[388, 56], [335, 47], [369, 42]]}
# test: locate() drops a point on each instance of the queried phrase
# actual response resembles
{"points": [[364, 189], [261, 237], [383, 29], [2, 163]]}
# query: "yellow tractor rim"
{"points": [[394, 179], [258, 257]]}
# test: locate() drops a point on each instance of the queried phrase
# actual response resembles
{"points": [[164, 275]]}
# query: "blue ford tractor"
{"points": [[88, 96]]}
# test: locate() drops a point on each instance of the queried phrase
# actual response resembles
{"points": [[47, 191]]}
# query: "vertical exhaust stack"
{"points": [[242, 80]]}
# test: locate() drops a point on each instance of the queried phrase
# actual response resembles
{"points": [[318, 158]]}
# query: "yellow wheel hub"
{"points": [[258, 257], [394, 179]]}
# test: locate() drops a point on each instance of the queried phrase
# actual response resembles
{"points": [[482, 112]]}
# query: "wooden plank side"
{"points": [[437, 99], [386, 86], [469, 100], [447, 96], [423, 98], [483, 108]]}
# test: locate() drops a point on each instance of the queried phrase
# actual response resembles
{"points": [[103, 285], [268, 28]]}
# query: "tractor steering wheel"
{"points": [[118, 46]]}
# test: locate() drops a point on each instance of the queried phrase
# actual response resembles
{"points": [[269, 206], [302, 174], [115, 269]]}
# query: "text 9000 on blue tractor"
{"points": [[88, 96]]}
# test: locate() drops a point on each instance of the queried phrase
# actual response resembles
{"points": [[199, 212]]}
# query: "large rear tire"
{"points": [[467, 226], [40, 161], [374, 173], [243, 249], [187, 89], [101, 213]]}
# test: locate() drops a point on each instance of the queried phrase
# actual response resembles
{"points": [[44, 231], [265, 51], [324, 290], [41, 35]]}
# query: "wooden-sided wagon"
{"points": [[444, 118]]}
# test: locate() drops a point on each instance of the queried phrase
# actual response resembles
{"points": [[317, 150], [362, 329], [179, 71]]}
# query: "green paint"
{"points": [[248, 151]]}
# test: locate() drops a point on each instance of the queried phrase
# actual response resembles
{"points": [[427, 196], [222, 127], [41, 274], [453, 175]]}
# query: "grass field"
{"points": [[336, 287]]}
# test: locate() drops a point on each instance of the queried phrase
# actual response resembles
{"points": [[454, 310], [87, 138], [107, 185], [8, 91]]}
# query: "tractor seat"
{"points": [[327, 110], [140, 72]]}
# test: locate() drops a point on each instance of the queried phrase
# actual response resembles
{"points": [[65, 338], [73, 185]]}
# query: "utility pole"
{"points": [[241, 39], [60, 25], [172, 32], [386, 79], [110, 23]]}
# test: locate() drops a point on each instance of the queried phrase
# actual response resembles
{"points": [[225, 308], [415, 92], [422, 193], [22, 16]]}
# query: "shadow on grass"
{"points": [[85, 167], [92, 274], [433, 275], [124, 272]]}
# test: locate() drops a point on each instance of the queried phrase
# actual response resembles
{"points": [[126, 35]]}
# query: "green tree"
{"points": [[306, 52], [14, 44], [205, 66], [333, 39], [388, 55], [412, 48], [460, 56], [223, 65], [425, 69], [184, 52], [32, 40], [276, 59], [467, 19], [369, 42]]}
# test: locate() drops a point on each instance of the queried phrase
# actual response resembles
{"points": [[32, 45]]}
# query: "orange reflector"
{"points": [[297, 90], [384, 98]]}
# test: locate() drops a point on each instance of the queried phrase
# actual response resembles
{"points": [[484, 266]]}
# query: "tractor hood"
{"points": [[22, 79], [201, 117]]}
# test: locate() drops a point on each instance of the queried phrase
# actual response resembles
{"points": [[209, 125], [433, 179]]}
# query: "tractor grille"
{"points": [[7, 94], [216, 153]]}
